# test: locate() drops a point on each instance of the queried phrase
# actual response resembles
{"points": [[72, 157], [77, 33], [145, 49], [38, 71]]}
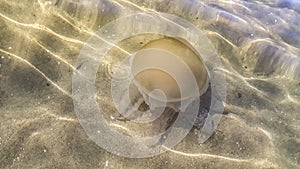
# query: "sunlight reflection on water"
{"points": [[259, 45]]}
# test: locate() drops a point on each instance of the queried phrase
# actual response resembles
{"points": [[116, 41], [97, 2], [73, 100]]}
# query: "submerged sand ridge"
{"points": [[39, 46]]}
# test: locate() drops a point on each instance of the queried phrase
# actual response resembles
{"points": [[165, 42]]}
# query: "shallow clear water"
{"points": [[257, 41]]}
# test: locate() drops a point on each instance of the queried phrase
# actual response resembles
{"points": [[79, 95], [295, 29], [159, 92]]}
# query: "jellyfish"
{"points": [[168, 75]]}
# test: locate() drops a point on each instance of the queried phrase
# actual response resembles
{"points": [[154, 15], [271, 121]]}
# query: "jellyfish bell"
{"points": [[158, 62]]}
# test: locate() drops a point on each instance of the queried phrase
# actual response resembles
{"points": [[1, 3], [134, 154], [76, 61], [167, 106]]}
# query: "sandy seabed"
{"points": [[258, 44]]}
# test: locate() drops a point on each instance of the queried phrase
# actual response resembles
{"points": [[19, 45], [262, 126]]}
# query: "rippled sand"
{"points": [[259, 44]]}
